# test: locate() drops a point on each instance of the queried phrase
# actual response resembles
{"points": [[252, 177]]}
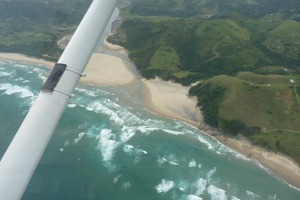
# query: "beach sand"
{"points": [[102, 69], [105, 69], [23, 58], [171, 100]]}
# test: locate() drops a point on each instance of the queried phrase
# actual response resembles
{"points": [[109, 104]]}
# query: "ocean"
{"points": [[109, 146]]}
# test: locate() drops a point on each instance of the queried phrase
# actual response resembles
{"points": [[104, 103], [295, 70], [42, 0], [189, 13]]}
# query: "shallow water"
{"points": [[108, 146]]}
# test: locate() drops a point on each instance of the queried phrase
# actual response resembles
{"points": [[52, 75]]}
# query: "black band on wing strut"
{"points": [[54, 77]]}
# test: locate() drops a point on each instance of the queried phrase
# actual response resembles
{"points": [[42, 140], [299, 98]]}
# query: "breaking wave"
{"points": [[10, 89], [164, 186]]}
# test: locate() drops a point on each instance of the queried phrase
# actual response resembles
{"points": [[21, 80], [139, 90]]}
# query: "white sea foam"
{"points": [[107, 144], [116, 178], [128, 148], [216, 193], [72, 105], [146, 129], [193, 197], [171, 159], [199, 187], [123, 113], [10, 89], [2, 74], [127, 133], [41, 73], [172, 132], [99, 108], [204, 141], [211, 173], [161, 160], [252, 195], [164, 186], [126, 185], [19, 65], [80, 135], [87, 92], [192, 163], [66, 143], [234, 198]]}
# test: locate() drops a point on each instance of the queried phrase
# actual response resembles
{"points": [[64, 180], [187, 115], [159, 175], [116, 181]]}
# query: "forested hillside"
{"points": [[245, 54], [34, 27]]}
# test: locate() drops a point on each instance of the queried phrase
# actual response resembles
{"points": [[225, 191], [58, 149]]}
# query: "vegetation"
{"points": [[263, 108], [24, 25], [246, 53], [186, 49]]}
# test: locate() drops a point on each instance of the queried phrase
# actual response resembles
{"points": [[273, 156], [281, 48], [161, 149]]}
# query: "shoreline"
{"points": [[161, 98], [102, 69], [278, 165]]}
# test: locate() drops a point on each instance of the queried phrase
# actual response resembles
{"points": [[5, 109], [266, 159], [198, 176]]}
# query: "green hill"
{"points": [[24, 25], [191, 47], [264, 108], [245, 52]]}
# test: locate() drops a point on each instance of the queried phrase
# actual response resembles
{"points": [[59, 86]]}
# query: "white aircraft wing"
{"points": [[29, 143]]}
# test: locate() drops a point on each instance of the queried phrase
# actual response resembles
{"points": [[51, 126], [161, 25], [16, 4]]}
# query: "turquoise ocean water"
{"points": [[108, 146]]}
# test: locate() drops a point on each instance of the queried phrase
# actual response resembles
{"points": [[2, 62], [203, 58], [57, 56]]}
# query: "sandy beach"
{"points": [[105, 69], [102, 69], [23, 58], [171, 100]]}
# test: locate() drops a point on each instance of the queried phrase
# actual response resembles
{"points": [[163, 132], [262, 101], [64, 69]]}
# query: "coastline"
{"points": [[160, 98], [171, 100], [102, 69]]}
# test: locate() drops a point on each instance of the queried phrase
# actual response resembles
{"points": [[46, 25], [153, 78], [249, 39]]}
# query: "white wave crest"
{"points": [[99, 108], [192, 163], [116, 178], [193, 197], [2, 74], [211, 173], [204, 141], [107, 145], [87, 92], [72, 105], [173, 132], [41, 73], [252, 195], [171, 159], [164, 186], [199, 186], [161, 160], [126, 185], [80, 135], [10, 89], [123, 113], [128, 148], [127, 133], [216, 193]]}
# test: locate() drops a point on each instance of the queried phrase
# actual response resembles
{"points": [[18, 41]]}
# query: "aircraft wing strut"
{"points": [[26, 149]]}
